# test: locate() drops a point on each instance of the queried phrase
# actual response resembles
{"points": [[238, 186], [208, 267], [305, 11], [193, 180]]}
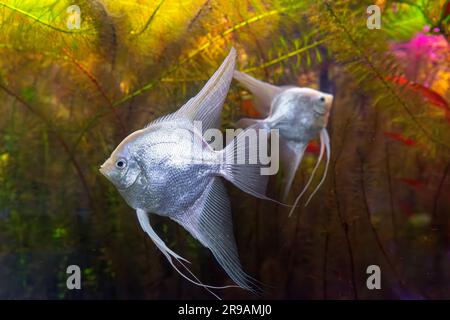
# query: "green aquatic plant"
{"points": [[68, 96]]}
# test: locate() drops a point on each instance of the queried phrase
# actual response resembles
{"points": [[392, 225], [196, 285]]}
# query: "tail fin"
{"points": [[241, 165], [263, 92]]}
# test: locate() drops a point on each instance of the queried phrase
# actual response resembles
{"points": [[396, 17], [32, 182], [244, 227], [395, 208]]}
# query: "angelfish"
{"points": [[169, 169], [300, 115]]}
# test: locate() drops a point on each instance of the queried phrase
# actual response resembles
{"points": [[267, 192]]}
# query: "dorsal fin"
{"points": [[207, 105], [263, 92]]}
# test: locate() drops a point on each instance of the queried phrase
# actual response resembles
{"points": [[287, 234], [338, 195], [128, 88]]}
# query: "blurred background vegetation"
{"points": [[69, 96]]}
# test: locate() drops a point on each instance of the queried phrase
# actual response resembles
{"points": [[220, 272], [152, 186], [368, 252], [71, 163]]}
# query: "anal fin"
{"points": [[170, 255], [209, 221]]}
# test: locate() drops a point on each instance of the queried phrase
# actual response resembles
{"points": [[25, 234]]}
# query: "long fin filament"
{"points": [[169, 254], [325, 139], [310, 178]]}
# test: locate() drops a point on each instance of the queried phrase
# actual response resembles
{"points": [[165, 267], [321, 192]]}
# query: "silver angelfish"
{"points": [[168, 169], [300, 114]]}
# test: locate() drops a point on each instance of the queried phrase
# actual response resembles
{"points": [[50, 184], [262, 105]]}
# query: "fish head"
{"points": [[121, 168], [315, 104], [321, 104]]}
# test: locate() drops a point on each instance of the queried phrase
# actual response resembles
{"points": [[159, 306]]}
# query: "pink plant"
{"points": [[423, 56]]}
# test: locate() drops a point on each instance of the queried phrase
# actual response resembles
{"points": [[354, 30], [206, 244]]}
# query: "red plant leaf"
{"points": [[446, 10], [432, 96], [416, 183], [406, 208], [313, 147], [249, 109], [399, 137]]}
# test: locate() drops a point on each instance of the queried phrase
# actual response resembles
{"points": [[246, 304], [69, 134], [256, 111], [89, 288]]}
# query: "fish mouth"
{"points": [[106, 172], [320, 113], [102, 170]]}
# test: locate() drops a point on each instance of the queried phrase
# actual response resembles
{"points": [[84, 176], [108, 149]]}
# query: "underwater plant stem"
{"points": [[444, 19], [325, 85], [77, 167], [391, 193], [380, 77], [261, 66], [372, 226], [418, 7], [438, 230], [284, 57], [292, 250], [59, 138], [198, 14], [39, 20], [258, 46], [91, 122], [343, 222], [369, 217], [325, 265], [434, 211], [203, 47], [345, 227], [96, 83], [151, 18]]}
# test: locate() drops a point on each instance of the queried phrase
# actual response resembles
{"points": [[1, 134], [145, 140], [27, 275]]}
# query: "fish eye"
{"points": [[121, 163], [322, 99]]}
